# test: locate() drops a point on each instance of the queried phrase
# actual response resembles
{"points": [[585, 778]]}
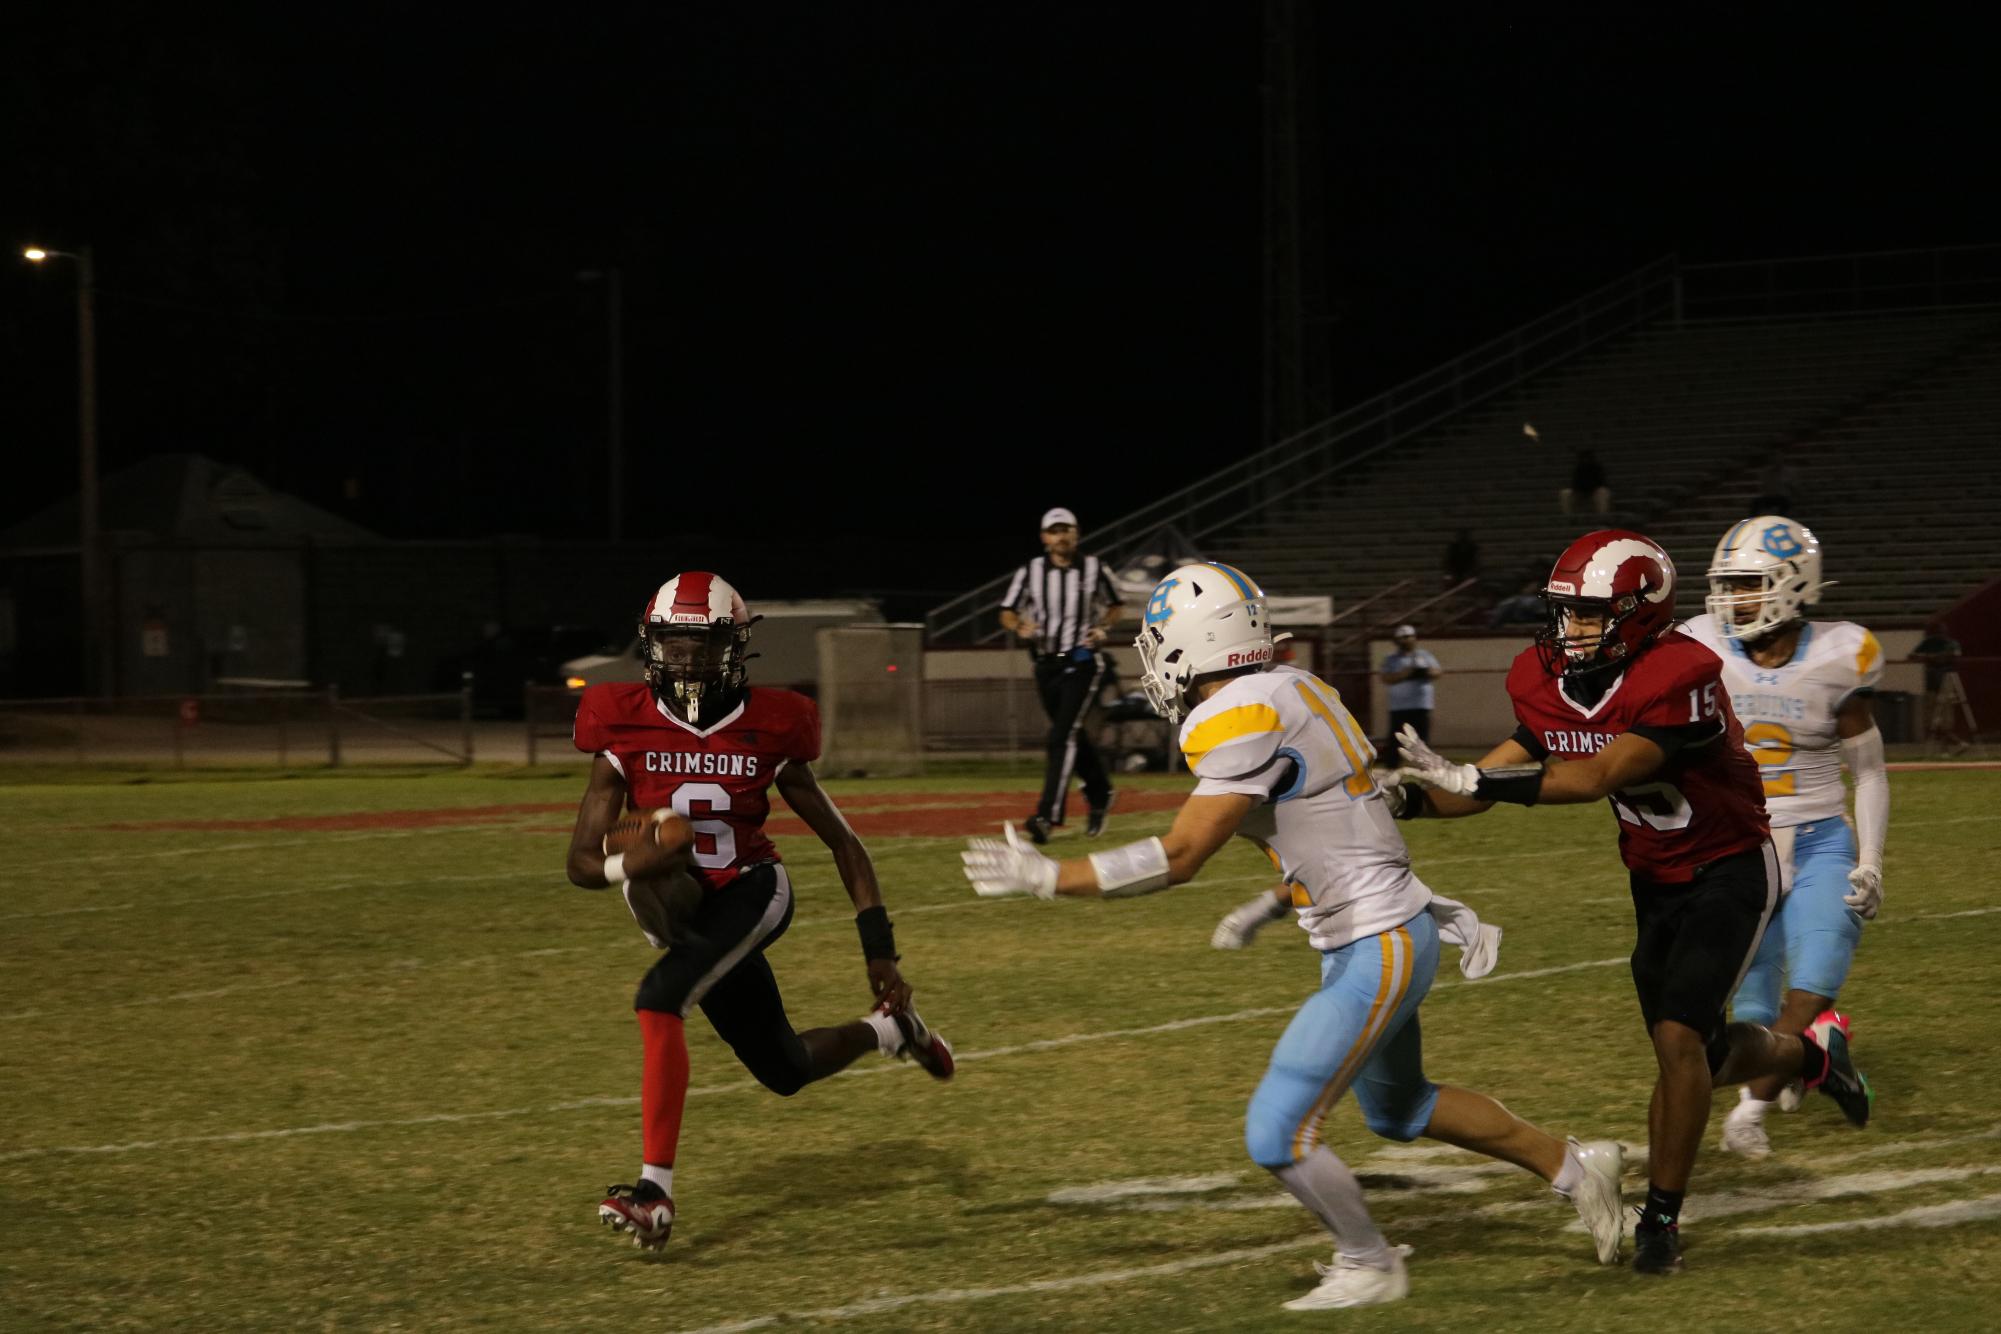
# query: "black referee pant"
{"points": [[1068, 682]]}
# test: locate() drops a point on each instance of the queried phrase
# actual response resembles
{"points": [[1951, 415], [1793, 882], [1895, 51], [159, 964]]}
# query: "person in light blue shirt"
{"points": [[1409, 673]]}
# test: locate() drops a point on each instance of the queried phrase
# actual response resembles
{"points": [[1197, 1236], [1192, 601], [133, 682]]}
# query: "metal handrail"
{"points": [[1407, 614], [1372, 599], [1369, 428]]}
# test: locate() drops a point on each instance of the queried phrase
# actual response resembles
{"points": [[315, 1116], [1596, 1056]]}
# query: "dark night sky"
{"points": [[883, 262]]}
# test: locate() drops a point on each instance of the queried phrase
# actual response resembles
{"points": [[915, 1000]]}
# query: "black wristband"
{"points": [[1412, 804], [1520, 784], [878, 939]]}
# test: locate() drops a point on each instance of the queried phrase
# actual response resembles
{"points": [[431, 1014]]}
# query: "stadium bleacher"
{"points": [[1895, 421]]}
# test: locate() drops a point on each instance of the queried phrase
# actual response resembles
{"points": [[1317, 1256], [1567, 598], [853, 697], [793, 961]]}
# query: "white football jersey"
{"points": [[1284, 736], [1789, 712]]}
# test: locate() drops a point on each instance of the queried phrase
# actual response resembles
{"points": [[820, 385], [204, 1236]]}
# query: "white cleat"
{"points": [[1744, 1129], [1791, 1096], [1596, 1198], [1347, 1283]]}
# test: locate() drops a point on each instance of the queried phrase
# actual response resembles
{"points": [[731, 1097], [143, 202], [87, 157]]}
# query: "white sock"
{"points": [[1323, 1183], [888, 1037], [1750, 1108], [662, 1177], [1569, 1174]]}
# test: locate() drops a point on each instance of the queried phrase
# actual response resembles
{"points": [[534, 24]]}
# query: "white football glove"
{"points": [[1002, 870], [1241, 923], [1865, 891], [1419, 763]]}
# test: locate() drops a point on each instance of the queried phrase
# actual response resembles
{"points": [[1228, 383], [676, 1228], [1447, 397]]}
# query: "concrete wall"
{"points": [[1473, 710]]}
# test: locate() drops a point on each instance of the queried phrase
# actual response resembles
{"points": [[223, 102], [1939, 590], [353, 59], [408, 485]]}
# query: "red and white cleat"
{"points": [[643, 1210], [930, 1050]]}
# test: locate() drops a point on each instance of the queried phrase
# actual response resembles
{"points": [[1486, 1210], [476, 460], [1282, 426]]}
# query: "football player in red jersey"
{"points": [[697, 739], [1637, 714]]}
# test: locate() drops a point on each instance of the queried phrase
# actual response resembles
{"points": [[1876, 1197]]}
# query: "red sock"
{"points": [[664, 1091]]}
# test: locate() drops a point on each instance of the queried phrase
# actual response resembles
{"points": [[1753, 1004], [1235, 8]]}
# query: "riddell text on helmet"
{"points": [[1245, 659]]}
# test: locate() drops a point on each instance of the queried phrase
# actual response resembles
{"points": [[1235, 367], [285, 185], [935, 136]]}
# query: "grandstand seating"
{"points": [[1896, 424]]}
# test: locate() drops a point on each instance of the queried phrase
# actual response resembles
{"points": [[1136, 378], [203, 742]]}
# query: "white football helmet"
{"points": [[1201, 619], [692, 637], [1783, 556]]}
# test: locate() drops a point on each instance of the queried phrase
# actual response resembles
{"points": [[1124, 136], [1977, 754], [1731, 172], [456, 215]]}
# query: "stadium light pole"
{"points": [[96, 666]]}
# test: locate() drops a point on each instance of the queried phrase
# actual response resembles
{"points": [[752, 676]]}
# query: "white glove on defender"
{"points": [[1419, 763], [1003, 870], [1241, 923], [1865, 892]]}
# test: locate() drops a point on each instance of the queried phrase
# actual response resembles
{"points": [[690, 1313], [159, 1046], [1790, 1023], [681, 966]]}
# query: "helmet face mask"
{"points": [[693, 638], [1580, 636], [1763, 577]]}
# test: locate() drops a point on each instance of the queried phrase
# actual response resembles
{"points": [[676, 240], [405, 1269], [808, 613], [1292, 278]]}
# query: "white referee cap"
{"points": [[1058, 515], [1404, 630]]}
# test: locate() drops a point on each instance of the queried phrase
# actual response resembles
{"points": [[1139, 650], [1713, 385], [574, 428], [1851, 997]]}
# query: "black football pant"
{"points": [[1695, 940], [1067, 685], [716, 960]]}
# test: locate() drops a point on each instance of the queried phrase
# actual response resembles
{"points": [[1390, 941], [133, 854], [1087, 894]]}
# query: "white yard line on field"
{"points": [[1068, 1283], [963, 1058], [1930, 1215], [202, 850], [155, 905], [399, 968]]}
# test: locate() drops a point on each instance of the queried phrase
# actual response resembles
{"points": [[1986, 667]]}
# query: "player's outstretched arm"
{"points": [[1626, 760], [810, 802], [1509, 773], [1001, 868], [1417, 798]]}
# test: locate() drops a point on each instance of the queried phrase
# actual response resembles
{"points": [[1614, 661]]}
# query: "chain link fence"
{"points": [[282, 728]]}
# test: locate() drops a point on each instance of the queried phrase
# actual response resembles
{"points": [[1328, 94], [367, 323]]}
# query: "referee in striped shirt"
{"points": [[1060, 604]]}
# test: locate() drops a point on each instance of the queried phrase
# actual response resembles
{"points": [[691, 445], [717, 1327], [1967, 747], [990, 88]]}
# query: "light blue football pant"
{"points": [[1810, 941], [1359, 1029]]}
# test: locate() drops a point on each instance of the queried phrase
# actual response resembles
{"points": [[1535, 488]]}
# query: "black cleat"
{"points": [[1843, 1082], [1037, 827], [1656, 1247], [929, 1050], [1094, 824]]}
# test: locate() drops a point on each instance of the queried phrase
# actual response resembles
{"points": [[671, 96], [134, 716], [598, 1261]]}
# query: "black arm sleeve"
{"points": [[1682, 735], [1529, 742]]}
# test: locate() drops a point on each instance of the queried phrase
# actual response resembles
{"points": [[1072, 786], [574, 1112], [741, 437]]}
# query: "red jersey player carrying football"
{"points": [[696, 740], [1637, 713]]}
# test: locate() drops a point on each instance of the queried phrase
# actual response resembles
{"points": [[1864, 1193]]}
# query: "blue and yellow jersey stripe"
{"points": [[1229, 725]]}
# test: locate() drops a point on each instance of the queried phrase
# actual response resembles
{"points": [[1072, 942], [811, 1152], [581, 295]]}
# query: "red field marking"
{"points": [[881, 815]]}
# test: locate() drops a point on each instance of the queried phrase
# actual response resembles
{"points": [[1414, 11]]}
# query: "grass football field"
{"points": [[349, 1053]]}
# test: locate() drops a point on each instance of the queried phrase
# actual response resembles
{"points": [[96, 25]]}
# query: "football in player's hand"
{"points": [[636, 828]]}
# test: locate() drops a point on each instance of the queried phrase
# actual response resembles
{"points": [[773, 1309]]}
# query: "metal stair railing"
{"points": [[1348, 438], [1410, 613]]}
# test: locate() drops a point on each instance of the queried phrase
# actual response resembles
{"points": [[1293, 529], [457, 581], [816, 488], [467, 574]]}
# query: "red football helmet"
{"points": [[692, 637], [1619, 580]]}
